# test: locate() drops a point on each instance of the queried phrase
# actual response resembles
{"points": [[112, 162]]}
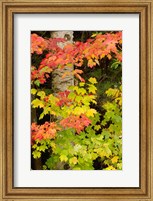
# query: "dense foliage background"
{"points": [[76, 87]]}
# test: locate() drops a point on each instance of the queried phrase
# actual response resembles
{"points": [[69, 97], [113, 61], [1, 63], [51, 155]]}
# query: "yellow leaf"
{"points": [[91, 63], [102, 56], [41, 94], [93, 35], [73, 160], [93, 80], [91, 112], [109, 56], [53, 145], [97, 127], [114, 159], [92, 89], [81, 84], [78, 111], [93, 56], [37, 103], [110, 168], [63, 158], [33, 91], [119, 165]]}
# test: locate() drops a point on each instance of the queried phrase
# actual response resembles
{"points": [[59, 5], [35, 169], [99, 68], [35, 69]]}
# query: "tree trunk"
{"points": [[59, 83]]}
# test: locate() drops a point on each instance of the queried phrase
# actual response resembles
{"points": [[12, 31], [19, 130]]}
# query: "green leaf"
{"points": [[43, 148], [97, 127], [70, 65], [76, 168], [94, 155], [45, 69], [37, 82], [119, 166], [72, 95], [46, 110], [116, 64], [41, 116], [44, 167], [78, 99], [106, 134]]}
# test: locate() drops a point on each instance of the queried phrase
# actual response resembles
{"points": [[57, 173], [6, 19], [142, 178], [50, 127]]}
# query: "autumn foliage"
{"points": [[93, 50], [79, 128]]}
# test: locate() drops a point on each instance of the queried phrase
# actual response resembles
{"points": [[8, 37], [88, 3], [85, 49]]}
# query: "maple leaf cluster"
{"points": [[38, 44], [76, 122], [63, 98], [92, 50], [40, 75], [74, 54], [45, 131], [53, 44]]}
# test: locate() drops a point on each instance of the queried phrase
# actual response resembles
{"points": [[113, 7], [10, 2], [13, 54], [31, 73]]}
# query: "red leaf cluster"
{"points": [[93, 50], [53, 44], [45, 131], [38, 44], [76, 122], [63, 98], [40, 74]]}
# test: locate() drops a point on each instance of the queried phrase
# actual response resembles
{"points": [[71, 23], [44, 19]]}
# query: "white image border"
{"points": [[23, 175]]}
